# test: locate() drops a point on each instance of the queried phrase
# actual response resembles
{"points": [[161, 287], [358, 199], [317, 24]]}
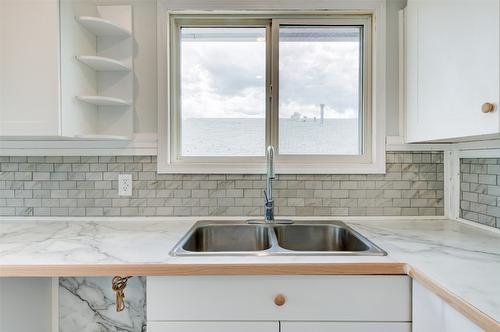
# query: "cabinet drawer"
{"points": [[344, 327], [307, 298], [213, 327]]}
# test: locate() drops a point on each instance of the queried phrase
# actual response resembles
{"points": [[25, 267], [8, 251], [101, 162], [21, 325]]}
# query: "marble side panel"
{"points": [[88, 305]]}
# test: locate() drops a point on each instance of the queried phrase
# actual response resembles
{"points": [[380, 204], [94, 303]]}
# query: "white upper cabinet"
{"points": [[66, 70], [452, 69], [29, 68]]}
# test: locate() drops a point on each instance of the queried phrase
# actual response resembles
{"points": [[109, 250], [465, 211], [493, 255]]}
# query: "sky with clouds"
{"points": [[226, 79]]}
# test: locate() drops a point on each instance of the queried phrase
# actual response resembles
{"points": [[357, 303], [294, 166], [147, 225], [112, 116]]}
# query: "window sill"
{"points": [[377, 167]]}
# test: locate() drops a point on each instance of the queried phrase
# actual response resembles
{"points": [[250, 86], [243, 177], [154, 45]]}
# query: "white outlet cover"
{"points": [[125, 184]]}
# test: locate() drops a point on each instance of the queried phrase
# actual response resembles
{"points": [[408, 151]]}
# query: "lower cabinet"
{"points": [[279, 303], [344, 327], [277, 327], [26, 304], [213, 326], [432, 314]]}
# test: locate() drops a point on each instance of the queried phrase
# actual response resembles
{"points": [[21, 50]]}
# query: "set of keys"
{"points": [[118, 284]]}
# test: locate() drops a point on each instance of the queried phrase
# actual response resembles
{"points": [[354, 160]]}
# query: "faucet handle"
{"points": [[268, 204], [266, 198]]}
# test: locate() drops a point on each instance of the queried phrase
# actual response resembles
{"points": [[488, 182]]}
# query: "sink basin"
{"points": [[228, 238], [318, 238], [299, 238]]}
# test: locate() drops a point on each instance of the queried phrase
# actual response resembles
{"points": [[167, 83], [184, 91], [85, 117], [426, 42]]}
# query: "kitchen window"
{"points": [[237, 83]]}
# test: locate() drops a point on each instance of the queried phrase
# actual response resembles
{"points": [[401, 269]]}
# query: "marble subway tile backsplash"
{"points": [[480, 190], [87, 186]]}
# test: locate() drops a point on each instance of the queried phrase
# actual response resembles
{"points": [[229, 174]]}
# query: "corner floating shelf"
{"points": [[103, 101], [101, 27], [100, 63], [97, 71]]}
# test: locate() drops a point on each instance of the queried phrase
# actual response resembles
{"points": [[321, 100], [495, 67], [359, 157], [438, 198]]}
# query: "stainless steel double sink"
{"points": [[221, 238]]}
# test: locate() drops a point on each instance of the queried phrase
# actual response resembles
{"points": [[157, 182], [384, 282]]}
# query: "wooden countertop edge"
{"points": [[478, 317], [202, 269], [472, 313]]}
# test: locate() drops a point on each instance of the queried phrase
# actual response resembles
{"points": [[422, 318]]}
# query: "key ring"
{"points": [[118, 284]]}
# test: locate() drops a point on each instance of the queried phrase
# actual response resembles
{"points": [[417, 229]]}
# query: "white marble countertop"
{"points": [[463, 259]]}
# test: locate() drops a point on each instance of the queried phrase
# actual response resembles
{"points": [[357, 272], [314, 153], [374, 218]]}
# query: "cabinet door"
{"points": [[344, 327], [213, 326], [452, 69], [432, 314], [26, 304], [29, 68]]}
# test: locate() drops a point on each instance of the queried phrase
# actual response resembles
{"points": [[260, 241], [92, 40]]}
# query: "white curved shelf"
{"points": [[98, 137], [103, 101], [100, 63], [101, 27]]}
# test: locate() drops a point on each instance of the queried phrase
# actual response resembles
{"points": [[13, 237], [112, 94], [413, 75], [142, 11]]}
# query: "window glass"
{"points": [[319, 90], [223, 95]]}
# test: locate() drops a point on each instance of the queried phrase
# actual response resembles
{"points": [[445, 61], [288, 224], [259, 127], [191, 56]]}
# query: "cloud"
{"points": [[223, 81], [227, 79], [319, 73]]}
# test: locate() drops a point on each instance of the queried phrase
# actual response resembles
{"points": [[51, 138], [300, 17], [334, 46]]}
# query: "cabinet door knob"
{"points": [[488, 107], [279, 300]]}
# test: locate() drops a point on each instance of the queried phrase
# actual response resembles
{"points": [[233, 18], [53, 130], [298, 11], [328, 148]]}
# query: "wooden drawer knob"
{"points": [[279, 300], [488, 107]]}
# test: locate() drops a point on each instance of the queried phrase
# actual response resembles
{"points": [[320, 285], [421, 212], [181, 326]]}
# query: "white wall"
{"points": [[145, 66], [392, 74], [144, 26]]}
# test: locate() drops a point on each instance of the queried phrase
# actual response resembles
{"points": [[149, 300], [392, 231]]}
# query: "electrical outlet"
{"points": [[125, 184]]}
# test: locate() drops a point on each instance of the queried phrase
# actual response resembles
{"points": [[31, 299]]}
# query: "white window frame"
{"points": [[289, 13]]}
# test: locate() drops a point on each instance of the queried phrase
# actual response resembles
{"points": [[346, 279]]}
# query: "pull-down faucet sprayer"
{"points": [[268, 193]]}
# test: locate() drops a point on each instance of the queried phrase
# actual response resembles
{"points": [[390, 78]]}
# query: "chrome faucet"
{"points": [[268, 193]]}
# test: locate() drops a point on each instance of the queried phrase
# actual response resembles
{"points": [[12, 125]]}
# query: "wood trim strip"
{"points": [[472, 313], [202, 269]]}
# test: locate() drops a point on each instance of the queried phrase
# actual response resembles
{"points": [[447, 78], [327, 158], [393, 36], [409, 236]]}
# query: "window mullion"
{"points": [[269, 98], [274, 65]]}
